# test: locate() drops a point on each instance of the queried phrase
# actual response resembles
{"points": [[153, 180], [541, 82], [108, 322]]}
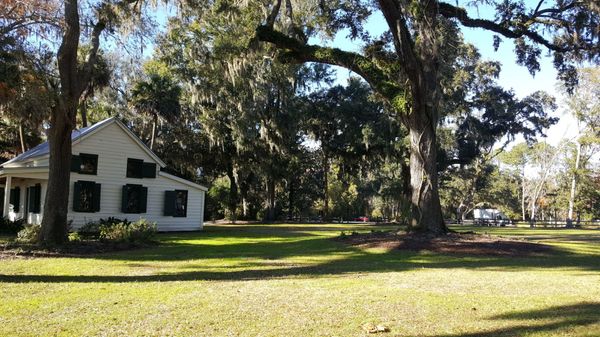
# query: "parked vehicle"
{"points": [[490, 217], [361, 219]]}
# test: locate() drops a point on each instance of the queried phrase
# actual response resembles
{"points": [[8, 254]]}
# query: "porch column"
{"points": [[7, 195]]}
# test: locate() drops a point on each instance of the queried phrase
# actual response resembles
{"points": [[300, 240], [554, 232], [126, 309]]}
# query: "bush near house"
{"points": [[120, 231], [11, 227], [105, 231], [29, 234]]}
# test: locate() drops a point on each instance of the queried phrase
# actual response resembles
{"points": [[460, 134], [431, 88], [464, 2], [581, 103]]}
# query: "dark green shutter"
{"points": [[149, 170], [170, 203], [75, 163], [29, 198], [38, 198], [143, 199], [15, 198], [77, 196], [35, 198], [124, 198], [96, 198]]}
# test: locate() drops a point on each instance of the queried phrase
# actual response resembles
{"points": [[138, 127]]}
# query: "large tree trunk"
{"points": [[54, 222], [426, 208], [62, 122]]}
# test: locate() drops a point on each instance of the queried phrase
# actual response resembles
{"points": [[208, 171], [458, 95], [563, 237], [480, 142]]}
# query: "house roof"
{"points": [[181, 180], [43, 149]]}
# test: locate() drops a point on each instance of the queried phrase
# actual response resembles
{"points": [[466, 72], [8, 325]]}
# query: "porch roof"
{"points": [[36, 172]]}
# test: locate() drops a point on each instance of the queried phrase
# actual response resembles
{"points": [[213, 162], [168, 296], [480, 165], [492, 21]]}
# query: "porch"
{"points": [[22, 192]]}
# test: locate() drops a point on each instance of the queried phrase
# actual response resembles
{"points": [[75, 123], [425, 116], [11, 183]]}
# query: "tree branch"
{"points": [[88, 67], [296, 51], [462, 16]]}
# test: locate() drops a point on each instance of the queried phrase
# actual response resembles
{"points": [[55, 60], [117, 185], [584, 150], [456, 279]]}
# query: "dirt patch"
{"points": [[14, 250], [451, 243]]}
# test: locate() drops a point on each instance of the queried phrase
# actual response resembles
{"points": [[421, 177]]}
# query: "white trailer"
{"points": [[490, 217]]}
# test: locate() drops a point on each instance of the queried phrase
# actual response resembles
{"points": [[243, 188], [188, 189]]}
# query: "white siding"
{"points": [[113, 146]]}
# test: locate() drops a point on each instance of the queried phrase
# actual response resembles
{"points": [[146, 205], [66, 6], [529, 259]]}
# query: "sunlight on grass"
{"points": [[293, 280]]}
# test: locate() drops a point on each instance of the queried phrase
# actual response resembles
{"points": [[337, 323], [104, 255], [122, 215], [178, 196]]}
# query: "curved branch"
{"points": [[296, 51], [450, 11], [88, 67]]}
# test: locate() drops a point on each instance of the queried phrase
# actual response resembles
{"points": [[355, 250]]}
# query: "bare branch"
{"points": [[462, 16]]}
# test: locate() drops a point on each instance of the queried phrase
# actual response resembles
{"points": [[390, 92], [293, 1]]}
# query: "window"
{"points": [[134, 199], [85, 163], [136, 168], [176, 203], [86, 196]]}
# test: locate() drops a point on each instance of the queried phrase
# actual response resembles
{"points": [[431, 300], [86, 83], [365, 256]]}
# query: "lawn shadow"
{"points": [[561, 318], [284, 252]]}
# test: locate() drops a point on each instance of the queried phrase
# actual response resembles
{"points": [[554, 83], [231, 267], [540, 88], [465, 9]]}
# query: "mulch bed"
{"points": [[14, 250], [450, 243]]}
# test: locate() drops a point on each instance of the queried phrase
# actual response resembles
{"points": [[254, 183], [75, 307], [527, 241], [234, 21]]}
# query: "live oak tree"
{"points": [[73, 78], [352, 128], [480, 119], [404, 64], [243, 100]]}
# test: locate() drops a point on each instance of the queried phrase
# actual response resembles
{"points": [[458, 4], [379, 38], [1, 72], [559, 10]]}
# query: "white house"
{"points": [[113, 174]]}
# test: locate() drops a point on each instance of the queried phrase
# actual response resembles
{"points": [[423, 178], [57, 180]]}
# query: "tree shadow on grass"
{"points": [[558, 319], [348, 260], [282, 253]]}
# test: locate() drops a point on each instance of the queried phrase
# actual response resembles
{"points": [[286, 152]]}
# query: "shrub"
{"points": [[74, 237], [29, 234], [111, 220], [91, 230], [114, 232], [140, 231], [11, 227]]}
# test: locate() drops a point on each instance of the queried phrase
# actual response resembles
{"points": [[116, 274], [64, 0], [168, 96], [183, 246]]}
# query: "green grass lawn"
{"points": [[292, 280]]}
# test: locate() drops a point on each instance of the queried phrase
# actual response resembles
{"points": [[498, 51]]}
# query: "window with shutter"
{"points": [[176, 203], [86, 196], [134, 199], [181, 198], [89, 163], [135, 168]]}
